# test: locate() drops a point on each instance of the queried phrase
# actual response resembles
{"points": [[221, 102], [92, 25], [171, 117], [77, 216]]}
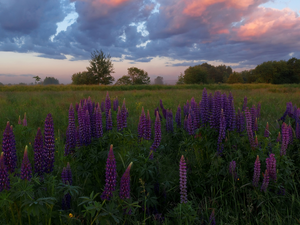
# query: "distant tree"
{"points": [[22, 84], [180, 79], [101, 67], [83, 78], [134, 76], [159, 80], [37, 79], [1, 84], [235, 78], [50, 80], [124, 80], [195, 75]]}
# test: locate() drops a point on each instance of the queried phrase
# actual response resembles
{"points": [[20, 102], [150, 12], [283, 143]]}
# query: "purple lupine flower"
{"points": [[38, 153], [210, 105], [215, 118], [169, 122], [232, 167], [66, 177], [110, 175], [13, 147], [147, 134], [204, 107], [249, 127], [256, 173], [88, 131], [9, 149], [242, 122], [157, 110], [253, 116], [124, 113], [212, 220], [245, 104], [221, 130], [19, 121], [265, 183], [25, 120], [26, 170], [190, 127], [271, 166], [71, 139], [107, 104], [157, 133], [255, 126], [119, 120], [78, 137], [116, 104], [178, 116], [109, 124], [258, 110], [4, 176], [285, 139], [267, 132], [142, 124], [185, 123], [163, 109], [183, 180], [278, 139], [98, 121], [49, 144], [81, 123], [125, 184]]}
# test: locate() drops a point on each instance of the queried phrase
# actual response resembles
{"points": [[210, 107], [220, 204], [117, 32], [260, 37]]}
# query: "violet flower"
{"points": [[49, 144], [70, 133], [142, 124], [109, 121], [285, 139], [110, 175], [249, 127], [278, 139], [88, 130], [107, 104], [147, 134], [38, 153], [9, 149], [265, 183], [157, 133], [178, 116], [256, 174], [190, 127], [4, 176], [271, 167], [204, 107], [26, 170], [245, 104], [98, 121], [125, 184], [221, 130], [119, 120], [183, 180], [212, 220], [66, 177], [124, 113]]}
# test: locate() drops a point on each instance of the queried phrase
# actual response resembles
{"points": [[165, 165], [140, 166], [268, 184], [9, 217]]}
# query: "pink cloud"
{"points": [[273, 24]]}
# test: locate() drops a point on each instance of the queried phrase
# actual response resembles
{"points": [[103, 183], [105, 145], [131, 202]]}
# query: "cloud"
{"points": [[8, 75], [190, 31]]}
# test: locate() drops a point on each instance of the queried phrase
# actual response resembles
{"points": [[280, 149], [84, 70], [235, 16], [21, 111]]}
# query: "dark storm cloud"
{"points": [[193, 31]]}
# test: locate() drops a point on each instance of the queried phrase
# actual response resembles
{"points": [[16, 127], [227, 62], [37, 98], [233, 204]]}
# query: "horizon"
{"points": [[162, 37]]}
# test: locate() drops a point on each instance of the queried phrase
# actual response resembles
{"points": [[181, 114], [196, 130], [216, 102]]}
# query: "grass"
{"points": [[209, 186]]}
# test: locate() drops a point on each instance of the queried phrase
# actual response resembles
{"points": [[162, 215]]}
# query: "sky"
{"points": [[55, 38]]}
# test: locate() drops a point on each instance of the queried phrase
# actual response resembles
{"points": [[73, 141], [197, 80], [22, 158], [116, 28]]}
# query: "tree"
{"points": [[50, 80], [180, 79], [83, 78], [195, 75], [159, 80], [101, 67], [134, 76], [235, 78], [1, 84], [37, 79]]}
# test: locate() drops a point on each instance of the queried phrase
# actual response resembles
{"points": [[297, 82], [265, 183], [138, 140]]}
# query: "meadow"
{"points": [[215, 194]]}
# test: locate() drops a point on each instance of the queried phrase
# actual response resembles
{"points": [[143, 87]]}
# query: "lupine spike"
{"points": [[125, 184], [256, 172], [221, 131], [278, 139], [38, 153], [26, 170], [212, 220], [183, 180], [109, 121], [49, 144], [285, 139], [124, 113], [4, 176], [8, 147], [148, 127], [271, 166], [110, 176], [249, 127], [98, 118], [107, 104], [265, 183]]}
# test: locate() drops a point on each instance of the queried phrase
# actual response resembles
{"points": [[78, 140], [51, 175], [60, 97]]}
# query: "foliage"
{"points": [[37, 79], [180, 79], [50, 80], [159, 80], [101, 67], [195, 75], [235, 78], [135, 76], [83, 78]]}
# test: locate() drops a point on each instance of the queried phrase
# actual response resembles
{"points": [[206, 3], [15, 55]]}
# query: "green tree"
{"points": [[235, 78], [134, 76], [159, 80], [101, 67], [180, 79], [195, 75], [125, 80], [37, 79], [83, 78], [50, 80]]}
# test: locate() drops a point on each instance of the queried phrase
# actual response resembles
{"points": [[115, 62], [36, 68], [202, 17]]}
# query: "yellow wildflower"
{"points": [[71, 215]]}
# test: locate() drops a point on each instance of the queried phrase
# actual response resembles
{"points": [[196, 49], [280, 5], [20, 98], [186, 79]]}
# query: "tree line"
{"points": [[274, 72]]}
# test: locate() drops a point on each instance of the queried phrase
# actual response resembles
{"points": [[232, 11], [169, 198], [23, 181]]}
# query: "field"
{"points": [[212, 192]]}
